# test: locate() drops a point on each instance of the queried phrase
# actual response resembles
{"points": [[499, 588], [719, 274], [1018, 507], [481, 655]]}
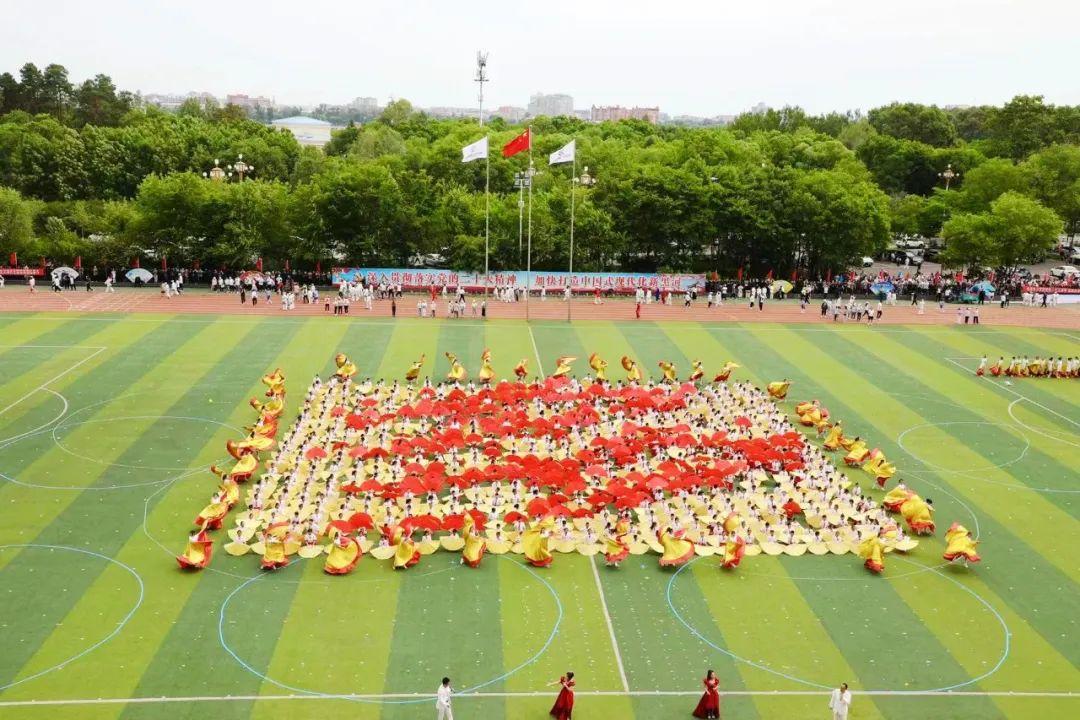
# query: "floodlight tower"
{"points": [[481, 78]]}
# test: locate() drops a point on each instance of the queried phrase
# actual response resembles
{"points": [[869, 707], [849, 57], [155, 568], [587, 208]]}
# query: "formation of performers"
{"points": [[561, 465], [1048, 367]]}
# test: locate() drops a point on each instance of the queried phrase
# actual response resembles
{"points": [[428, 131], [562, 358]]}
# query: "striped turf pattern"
{"points": [[152, 399]]}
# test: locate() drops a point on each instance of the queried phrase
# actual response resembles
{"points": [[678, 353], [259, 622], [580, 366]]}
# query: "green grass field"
{"points": [[107, 425]]}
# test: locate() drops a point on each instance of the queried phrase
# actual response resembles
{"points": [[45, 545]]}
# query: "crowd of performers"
{"points": [[400, 470], [1048, 367]]}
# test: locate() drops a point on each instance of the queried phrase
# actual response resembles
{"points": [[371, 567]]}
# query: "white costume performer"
{"points": [[839, 702]]}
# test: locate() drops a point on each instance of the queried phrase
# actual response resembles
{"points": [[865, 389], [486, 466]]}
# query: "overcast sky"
{"points": [[700, 57]]}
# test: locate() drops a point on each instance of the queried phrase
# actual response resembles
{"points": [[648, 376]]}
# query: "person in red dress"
{"points": [[709, 705], [564, 704]]}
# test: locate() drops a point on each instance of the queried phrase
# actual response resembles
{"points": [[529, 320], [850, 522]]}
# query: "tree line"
{"points": [[109, 179]]}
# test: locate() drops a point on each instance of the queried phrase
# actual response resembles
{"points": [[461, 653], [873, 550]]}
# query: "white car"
{"points": [[1064, 271], [867, 261]]}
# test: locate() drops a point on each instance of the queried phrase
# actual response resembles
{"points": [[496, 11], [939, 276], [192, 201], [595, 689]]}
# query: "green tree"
{"points": [[1053, 176], [927, 124], [1024, 229], [16, 223]]}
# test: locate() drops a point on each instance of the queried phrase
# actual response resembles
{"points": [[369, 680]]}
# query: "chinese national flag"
{"points": [[519, 144]]}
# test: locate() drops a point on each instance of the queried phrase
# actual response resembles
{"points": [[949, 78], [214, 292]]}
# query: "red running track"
{"points": [[20, 299]]}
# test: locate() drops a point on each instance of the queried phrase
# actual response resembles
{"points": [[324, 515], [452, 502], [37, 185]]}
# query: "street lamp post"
{"points": [[522, 180], [216, 173], [586, 180], [242, 167], [949, 174]]}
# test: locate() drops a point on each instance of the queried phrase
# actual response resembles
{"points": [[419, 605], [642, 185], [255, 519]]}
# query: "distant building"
{"points": [[306, 130], [168, 101], [551, 105], [247, 102], [452, 112], [615, 113], [510, 113], [759, 109], [365, 105]]}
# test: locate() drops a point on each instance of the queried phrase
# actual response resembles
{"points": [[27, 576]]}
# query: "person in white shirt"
{"points": [[840, 701], [442, 700]]}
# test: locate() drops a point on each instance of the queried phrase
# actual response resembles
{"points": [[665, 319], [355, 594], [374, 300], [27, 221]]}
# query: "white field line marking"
{"points": [[8, 441], [610, 629], [58, 347], [539, 363], [86, 359], [1044, 433], [1006, 388], [545, 693]]}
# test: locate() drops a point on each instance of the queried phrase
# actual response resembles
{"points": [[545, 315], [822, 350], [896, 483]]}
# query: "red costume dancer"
{"points": [[709, 705], [563, 708]]}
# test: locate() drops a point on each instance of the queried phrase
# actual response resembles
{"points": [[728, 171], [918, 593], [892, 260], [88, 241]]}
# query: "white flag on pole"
{"points": [[564, 154], [477, 151]]}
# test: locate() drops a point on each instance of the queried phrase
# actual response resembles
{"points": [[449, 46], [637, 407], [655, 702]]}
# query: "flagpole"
{"points": [[573, 194], [487, 217], [528, 251]]}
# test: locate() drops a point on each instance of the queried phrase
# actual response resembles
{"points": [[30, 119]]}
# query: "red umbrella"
{"points": [[413, 485], [537, 506], [575, 485], [361, 520], [656, 483], [315, 452], [371, 485], [356, 451], [339, 525], [479, 519], [453, 522], [558, 511], [514, 516]]}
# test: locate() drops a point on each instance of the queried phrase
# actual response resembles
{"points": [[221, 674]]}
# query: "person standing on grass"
{"points": [[637, 310], [563, 708], [442, 700], [709, 705], [840, 702]]}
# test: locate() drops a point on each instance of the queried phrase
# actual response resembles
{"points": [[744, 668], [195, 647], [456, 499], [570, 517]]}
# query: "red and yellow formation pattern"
{"points": [[246, 453]]}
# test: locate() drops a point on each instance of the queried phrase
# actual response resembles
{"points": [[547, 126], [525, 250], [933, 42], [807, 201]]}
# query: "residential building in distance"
{"points": [[510, 113], [551, 105], [614, 113], [169, 101], [247, 102], [365, 105], [442, 111], [306, 130]]}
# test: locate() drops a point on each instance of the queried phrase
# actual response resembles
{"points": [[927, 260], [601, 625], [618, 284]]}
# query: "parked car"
{"points": [[1064, 271], [1074, 256], [867, 261]]}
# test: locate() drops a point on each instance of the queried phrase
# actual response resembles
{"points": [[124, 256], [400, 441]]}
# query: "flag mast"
{"points": [[528, 252], [573, 194]]}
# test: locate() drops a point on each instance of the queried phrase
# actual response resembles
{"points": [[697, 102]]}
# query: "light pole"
{"points": [[242, 167], [216, 173], [522, 180], [586, 180], [481, 78], [949, 174]]}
